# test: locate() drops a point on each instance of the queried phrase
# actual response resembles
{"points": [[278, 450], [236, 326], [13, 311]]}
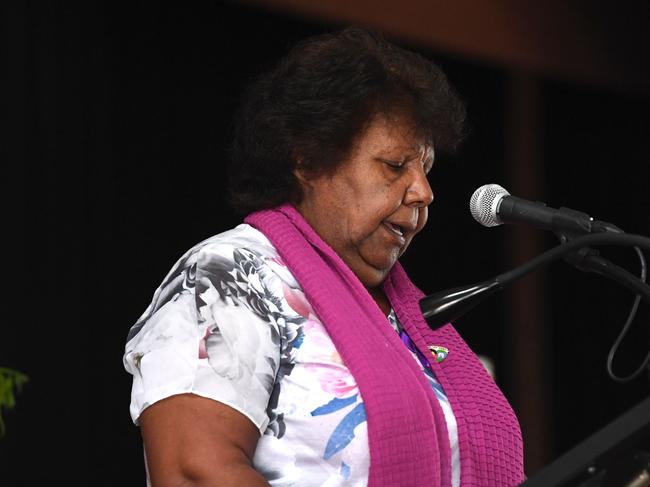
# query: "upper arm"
{"points": [[214, 338], [204, 363], [189, 438]]}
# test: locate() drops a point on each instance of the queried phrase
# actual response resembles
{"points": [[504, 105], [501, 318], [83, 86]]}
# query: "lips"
{"points": [[396, 229], [395, 234]]}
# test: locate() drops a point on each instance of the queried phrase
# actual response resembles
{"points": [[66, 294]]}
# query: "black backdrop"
{"points": [[117, 128]]}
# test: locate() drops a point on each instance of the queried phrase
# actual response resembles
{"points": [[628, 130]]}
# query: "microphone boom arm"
{"points": [[443, 307]]}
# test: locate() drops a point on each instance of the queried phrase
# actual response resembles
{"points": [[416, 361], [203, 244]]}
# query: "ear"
{"points": [[300, 174]]}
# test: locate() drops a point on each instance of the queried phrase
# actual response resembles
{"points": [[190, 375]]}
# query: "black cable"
{"points": [[605, 268], [610, 356], [589, 261]]}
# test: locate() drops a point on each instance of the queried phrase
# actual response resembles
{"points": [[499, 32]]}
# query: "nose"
{"points": [[418, 192]]}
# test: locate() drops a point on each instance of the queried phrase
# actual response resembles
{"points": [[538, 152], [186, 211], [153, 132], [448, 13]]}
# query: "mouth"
{"points": [[396, 229]]}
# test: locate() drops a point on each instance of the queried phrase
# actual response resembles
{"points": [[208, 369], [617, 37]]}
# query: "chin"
{"points": [[374, 278], [373, 268]]}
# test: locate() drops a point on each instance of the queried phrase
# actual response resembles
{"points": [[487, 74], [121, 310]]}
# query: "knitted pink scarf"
{"points": [[407, 432]]}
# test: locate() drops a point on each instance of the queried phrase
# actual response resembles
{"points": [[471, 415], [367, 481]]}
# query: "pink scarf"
{"points": [[407, 432]]}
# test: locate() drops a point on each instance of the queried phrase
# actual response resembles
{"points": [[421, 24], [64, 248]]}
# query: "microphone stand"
{"points": [[443, 307]]}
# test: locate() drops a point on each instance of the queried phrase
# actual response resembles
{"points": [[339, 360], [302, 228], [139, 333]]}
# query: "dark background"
{"points": [[118, 122]]}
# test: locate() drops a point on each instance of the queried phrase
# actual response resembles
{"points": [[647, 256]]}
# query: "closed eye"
{"points": [[394, 165]]}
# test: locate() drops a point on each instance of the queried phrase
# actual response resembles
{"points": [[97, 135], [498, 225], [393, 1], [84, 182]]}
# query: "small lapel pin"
{"points": [[440, 353]]}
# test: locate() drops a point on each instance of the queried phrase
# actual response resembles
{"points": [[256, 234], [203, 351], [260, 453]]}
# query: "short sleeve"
{"points": [[213, 335]]}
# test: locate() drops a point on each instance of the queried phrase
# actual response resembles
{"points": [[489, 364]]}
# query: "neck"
{"points": [[381, 299]]}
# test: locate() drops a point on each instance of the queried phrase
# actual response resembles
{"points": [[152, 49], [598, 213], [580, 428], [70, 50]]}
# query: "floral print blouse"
{"points": [[230, 323]]}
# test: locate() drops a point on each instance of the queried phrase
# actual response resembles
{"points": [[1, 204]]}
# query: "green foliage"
{"points": [[10, 380]]}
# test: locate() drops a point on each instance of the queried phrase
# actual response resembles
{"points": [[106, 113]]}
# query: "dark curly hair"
{"points": [[322, 95]]}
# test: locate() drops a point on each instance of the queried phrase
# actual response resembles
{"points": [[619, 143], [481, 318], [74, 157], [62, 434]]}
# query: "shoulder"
{"points": [[239, 260], [242, 236], [240, 250], [243, 249], [239, 266]]}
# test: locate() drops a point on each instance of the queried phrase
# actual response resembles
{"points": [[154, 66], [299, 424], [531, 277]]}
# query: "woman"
{"points": [[290, 350]]}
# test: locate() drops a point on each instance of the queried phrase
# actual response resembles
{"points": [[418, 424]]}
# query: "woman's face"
{"points": [[372, 206]]}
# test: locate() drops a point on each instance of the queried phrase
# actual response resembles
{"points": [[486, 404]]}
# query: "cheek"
{"points": [[368, 214], [360, 231]]}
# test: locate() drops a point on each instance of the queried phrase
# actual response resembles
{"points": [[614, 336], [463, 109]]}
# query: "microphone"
{"points": [[492, 205]]}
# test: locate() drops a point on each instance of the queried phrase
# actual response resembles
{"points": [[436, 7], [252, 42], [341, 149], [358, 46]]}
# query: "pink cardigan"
{"points": [[407, 432]]}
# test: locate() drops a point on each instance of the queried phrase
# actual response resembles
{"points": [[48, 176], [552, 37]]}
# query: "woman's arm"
{"points": [[192, 441]]}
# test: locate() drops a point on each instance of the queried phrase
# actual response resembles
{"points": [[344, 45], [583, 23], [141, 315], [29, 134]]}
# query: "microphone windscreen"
{"points": [[484, 204]]}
